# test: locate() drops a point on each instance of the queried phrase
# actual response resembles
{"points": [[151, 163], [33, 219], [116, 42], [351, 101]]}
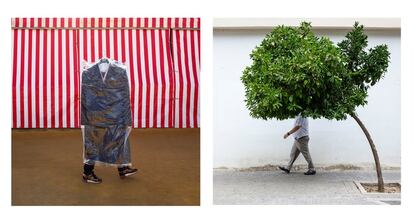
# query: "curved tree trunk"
{"points": [[374, 152]]}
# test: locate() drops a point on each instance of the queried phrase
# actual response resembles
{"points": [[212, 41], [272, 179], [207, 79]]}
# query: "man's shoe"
{"points": [[310, 172], [284, 169], [127, 171], [91, 178]]}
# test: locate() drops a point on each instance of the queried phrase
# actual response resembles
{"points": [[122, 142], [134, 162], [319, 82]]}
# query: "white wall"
{"points": [[241, 141]]}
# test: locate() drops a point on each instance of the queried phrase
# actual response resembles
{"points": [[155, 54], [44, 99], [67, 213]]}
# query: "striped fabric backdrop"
{"points": [[162, 56]]}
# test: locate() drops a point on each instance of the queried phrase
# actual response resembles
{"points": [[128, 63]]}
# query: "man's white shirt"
{"points": [[304, 129]]}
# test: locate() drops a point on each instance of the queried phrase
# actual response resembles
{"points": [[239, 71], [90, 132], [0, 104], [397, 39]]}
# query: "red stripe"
{"points": [[22, 76], [29, 76], [76, 74], [187, 74], [85, 42], [132, 76], [60, 73], [193, 60], [123, 40], [68, 84], [100, 37], [45, 75], [115, 34], [161, 42], [140, 88], [155, 77], [147, 76], [14, 85], [108, 45], [92, 41], [39, 20], [28, 59], [52, 76], [180, 77], [171, 112]]}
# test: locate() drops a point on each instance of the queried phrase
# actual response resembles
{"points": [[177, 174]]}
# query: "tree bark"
{"points": [[374, 152]]}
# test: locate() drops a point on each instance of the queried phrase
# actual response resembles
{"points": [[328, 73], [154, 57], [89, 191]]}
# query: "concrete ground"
{"points": [[47, 168], [275, 187]]}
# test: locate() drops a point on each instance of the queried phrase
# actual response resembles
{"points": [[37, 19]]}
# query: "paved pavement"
{"points": [[275, 187]]}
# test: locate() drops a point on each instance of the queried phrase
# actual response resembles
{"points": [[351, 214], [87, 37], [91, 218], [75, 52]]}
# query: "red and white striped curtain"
{"points": [[162, 55]]}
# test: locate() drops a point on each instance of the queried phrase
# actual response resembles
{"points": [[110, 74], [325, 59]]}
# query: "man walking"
{"points": [[300, 132], [106, 119]]}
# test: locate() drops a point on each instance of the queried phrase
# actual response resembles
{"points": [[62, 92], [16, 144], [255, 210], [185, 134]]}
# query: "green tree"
{"points": [[295, 71]]}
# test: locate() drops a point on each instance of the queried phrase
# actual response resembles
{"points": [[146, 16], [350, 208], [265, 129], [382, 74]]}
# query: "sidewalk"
{"points": [[275, 187]]}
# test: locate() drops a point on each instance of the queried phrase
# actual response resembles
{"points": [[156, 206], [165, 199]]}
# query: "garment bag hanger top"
{"points": [[103, 65]]}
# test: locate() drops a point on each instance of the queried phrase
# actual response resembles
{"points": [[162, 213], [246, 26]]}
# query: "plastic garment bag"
{"points": [[106, 113]]}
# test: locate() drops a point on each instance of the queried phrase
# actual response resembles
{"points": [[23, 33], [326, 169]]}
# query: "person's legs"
{"points": [[125, 171], [88, 168], [88, 175], [304, 149], [294, 153]]}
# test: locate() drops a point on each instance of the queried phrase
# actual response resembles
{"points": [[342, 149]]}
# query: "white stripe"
{"points": [[167, 78], [135, 67], [119, 43], [144, 81], [20, 22], [177, 81], [80, 49], [58, 23], [34, 59], [143, 77], [143, 116], [64, 83], [72, 80], [49, 79], [41, 68], [159, 80], [104, 49], [18, 77], [184, 77], [56, 75], [151, 78], [142, 24], [111, 44], [89, 46], [96, 34], [192, 84], [197, 59], [25, 78], [188, 22]]}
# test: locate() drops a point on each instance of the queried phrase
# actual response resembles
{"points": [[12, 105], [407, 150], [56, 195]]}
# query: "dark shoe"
{"points": [[91, 178], [284, 169], [127, 171], [310, 172]]}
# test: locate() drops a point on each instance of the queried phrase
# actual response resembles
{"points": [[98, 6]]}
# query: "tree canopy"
{"points": [[294, 71]]}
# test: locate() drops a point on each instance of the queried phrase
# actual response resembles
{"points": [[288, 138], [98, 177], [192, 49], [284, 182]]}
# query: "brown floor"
{"points": [[47, 167]]}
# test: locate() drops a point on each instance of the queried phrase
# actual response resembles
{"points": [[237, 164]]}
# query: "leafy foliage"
{"points": [[294, 71]]}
